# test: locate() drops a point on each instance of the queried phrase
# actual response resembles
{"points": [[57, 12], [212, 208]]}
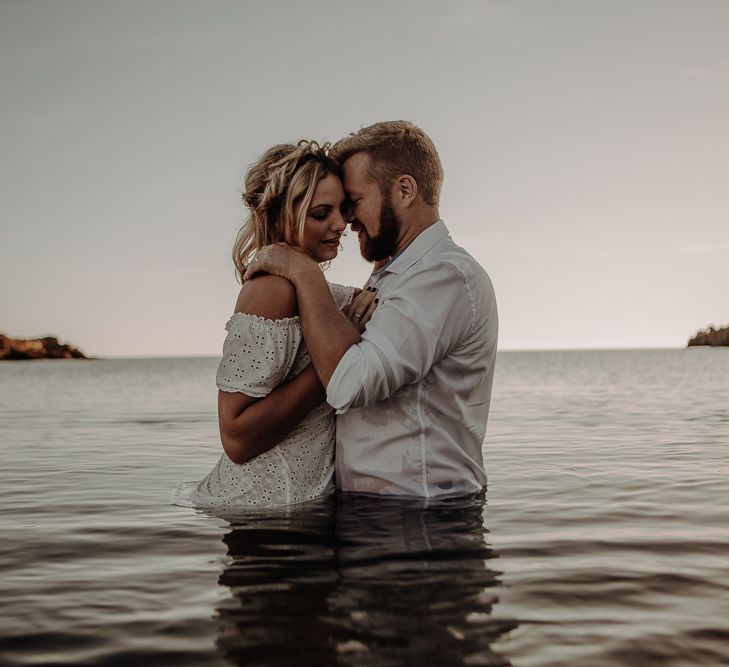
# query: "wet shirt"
{"points": [[412, 398]]}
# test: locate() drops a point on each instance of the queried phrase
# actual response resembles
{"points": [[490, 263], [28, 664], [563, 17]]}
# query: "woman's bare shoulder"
{"points": [[268, 296]]}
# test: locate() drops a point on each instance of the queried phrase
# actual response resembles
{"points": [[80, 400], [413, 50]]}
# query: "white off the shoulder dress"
{"points": [[259, 355]]}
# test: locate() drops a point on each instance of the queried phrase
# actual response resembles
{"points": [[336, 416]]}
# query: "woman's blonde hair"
{"points": [[284, 177]]}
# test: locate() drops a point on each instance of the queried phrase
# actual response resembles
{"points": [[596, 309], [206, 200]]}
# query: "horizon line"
{"points": [[508, 349]]}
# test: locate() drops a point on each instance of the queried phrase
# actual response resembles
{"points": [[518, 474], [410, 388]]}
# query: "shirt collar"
{"points": [[416, 249]]}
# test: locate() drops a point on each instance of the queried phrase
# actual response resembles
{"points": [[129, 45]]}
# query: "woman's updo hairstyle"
{"points": [[285, 177]]}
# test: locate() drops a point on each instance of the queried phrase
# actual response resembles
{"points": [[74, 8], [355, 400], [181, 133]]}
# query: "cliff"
{"points": [[37, 348], [711, 336]]}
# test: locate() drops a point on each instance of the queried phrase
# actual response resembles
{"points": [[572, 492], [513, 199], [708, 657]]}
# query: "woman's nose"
{"points": [[338, 222]]}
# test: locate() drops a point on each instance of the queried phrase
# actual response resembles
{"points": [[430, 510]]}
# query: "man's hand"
{"points": [[282, 260]]}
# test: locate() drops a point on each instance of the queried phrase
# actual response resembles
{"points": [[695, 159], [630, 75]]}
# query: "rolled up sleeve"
{"points": [[411, 330]]}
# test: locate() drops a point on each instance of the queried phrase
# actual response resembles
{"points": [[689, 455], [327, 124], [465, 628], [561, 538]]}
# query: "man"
{"points": [[412, 393]]}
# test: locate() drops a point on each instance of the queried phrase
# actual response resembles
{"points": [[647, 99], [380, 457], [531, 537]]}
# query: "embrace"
{"points": [[396, 376]]}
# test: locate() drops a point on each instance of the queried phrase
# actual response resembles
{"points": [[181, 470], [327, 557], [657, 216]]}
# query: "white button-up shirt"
{"points": [[412, 398]]}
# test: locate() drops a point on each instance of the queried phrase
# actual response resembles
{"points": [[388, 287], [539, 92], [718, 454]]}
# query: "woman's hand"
{"points": [[360, 310], [280, 259]]}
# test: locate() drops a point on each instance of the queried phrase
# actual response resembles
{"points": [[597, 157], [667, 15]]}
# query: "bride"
{"points": [[276, 429]]}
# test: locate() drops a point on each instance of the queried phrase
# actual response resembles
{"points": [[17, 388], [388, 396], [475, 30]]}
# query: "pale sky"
{"points": [[585, 147]]}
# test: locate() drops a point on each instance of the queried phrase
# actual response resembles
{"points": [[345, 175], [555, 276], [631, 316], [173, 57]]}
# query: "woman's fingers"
{"points": [[368, 314], [360, 310], [363, 300], [347, 310]]}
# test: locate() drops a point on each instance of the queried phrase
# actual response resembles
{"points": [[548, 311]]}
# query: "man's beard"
{"points": [[384, 244]]}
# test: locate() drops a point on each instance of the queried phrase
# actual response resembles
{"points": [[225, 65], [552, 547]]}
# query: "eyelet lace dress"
{"points": [[258, 355]]}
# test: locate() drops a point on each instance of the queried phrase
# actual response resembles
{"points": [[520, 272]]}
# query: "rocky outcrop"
{"points": [[37, 348], [711, 336]]}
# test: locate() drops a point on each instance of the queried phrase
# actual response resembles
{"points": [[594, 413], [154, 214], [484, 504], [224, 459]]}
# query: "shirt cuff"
{"points": [[345, 383]]}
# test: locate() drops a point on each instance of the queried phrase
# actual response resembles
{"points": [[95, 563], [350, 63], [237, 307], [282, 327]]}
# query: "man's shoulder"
{"points": [[448, 256], [447, 275], [473, 284], [478, 292]]}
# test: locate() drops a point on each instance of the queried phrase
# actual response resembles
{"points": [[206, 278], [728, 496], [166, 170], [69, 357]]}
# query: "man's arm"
{"points": [[427, 316]]}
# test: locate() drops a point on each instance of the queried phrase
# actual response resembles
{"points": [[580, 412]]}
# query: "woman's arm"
{"points": [[250, 426]]}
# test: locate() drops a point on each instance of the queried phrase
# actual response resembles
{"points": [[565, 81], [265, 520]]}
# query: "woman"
{"points": [[276, 429]]}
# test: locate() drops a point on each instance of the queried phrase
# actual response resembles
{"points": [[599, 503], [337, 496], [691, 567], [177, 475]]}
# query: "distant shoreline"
{"points": [[710, 337], [30, 349]]}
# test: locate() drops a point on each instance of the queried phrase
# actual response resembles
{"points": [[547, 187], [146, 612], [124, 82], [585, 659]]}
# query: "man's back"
{"points": [[414, 395]]}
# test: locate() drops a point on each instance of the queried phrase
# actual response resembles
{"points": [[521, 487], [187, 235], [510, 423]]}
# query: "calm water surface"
{"points": [[603, 538]]}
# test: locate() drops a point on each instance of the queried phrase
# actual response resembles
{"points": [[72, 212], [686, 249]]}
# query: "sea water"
{"points": [[603, 537]]}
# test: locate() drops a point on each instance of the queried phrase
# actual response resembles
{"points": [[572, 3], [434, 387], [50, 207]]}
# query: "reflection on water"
{"points": [[361, 581]]}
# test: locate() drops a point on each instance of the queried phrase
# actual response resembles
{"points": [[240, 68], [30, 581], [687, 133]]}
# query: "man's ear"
{"points": [[406, 189]]}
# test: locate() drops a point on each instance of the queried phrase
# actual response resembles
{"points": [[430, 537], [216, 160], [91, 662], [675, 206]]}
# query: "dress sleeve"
{"points": [[343, 294], [257, 354]]}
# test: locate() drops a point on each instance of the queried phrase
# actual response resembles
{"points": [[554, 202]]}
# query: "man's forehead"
{"points": [[355, 171]]}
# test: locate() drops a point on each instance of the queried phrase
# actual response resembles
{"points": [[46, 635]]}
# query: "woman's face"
{"points": [[324, 221]]}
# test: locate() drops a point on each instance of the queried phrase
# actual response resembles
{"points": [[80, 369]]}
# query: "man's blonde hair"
{"points": [[396, 148], [284, 177]]}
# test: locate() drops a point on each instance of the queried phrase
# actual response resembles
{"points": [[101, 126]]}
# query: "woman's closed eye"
{"points": [[321, 212]]}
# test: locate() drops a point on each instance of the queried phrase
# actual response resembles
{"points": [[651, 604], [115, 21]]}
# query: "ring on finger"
{"points": [[357, 315]]}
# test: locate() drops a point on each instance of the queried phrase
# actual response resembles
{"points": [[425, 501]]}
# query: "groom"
{"points": [[412, 392]]}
